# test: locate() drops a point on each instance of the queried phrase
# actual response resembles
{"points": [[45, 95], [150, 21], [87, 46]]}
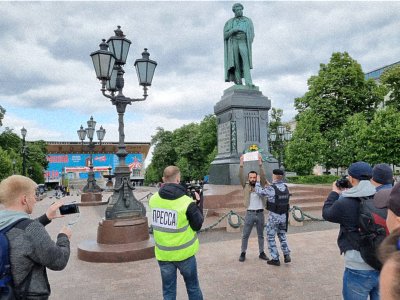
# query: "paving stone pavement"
{"points": [[314, 273]]}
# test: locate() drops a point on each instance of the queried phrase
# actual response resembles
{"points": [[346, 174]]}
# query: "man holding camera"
{"points": [[360, 280], [255, 209], [175, 219], [31, 249]]}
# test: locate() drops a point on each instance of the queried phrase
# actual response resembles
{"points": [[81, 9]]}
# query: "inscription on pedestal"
{"points": [[224, 137]]}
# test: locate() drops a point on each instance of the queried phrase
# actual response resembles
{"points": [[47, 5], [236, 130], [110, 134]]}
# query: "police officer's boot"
{"points": [[242, 256], [274, 262], [287, 258]]}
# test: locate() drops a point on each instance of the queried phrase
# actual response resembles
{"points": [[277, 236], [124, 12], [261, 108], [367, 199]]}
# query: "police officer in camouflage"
{"points": [[277, 195]]}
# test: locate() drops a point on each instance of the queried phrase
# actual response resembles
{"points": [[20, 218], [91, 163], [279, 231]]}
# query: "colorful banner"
{"points": [[79, 163]]}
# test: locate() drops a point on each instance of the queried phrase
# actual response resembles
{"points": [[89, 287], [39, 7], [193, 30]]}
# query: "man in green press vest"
{"points": [[175, 219]]}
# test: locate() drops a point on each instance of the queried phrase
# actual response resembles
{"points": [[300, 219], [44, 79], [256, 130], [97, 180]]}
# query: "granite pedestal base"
{"points": [[91, 197], [118, 241]]}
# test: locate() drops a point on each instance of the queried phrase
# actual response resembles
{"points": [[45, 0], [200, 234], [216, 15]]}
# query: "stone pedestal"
{"points": [[242, 119], [120, 240], [91, 199]]}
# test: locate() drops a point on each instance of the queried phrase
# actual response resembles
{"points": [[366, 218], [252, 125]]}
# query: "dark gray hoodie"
{"points": [[32, 249]]}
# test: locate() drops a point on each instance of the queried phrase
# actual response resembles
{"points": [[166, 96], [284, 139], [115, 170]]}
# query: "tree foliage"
{"points": [[391, 80], [2, 112], [191, 147], [36, 152], [337, 92], [304, 150]]}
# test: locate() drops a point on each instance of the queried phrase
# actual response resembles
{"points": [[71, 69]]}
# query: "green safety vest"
{"points": [[174, 239]]}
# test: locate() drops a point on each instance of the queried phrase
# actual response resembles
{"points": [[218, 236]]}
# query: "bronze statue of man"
{"points": [[238, 37]]}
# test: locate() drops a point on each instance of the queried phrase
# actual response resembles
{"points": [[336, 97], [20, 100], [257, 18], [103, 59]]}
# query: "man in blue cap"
{"points": [[360, 280]]}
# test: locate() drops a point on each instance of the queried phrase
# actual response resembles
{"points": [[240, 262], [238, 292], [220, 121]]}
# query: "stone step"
{"points": [[298, 200]]}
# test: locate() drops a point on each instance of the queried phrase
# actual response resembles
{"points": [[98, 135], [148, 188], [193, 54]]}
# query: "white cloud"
{"points": [[46, 67]]}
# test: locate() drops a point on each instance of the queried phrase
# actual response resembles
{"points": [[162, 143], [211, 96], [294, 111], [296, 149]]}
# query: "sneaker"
{"points": [[287, 258], [242, 256], [274, 262], [263, 256]]}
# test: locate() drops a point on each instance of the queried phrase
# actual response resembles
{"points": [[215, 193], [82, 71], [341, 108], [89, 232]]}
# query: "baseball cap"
{"points": [[394, 199], [382, 173], [278, 172], [360, 170]]}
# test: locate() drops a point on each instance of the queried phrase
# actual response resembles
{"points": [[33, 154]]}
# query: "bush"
{"points": [[312, 179]]}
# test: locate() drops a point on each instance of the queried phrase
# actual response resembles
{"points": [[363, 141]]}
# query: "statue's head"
{"points": [[237, 8]]}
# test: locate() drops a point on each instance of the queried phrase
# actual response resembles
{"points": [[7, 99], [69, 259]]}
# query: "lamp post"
{"points": [[282, 135], [23, 133], [91, 186], [109, 70], [124, 230]]}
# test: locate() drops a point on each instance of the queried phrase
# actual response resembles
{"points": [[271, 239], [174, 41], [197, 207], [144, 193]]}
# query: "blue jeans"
{"points": [[359, 284], [188, 269]]}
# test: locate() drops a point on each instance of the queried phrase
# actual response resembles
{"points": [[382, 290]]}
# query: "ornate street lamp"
{"points": [[91, 186], [23, 133], [124, 230], [280, 136], [122, 204]]}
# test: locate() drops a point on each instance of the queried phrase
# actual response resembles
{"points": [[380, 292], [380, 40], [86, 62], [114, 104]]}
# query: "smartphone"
{"points": [[68, 209]]}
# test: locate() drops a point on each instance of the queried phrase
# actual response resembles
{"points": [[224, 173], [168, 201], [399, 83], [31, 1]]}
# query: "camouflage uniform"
{"points": [[276, 223]]}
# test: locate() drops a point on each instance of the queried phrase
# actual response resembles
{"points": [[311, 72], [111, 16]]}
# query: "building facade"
{"points": [[71, 160]]}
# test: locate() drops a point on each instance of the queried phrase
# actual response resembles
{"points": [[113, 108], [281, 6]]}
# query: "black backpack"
{"points": [[7, 291], [372, 229]]}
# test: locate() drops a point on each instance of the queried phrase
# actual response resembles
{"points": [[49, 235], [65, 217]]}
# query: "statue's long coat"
{"points": [[228, 50]]}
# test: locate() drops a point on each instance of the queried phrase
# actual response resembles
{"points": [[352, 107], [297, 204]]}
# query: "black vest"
{"points": [[281, 205]]}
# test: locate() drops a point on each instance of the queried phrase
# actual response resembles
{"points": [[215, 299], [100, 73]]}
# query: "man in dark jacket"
{"points": [[31, 249], [175, 220], [342, 206]]}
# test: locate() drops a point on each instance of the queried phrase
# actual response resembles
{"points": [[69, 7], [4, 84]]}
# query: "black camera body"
{"points": [[68, 209], [343, 183], [192, 188]]}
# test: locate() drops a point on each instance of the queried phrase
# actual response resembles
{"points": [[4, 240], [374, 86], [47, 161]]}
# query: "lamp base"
{"points": [[91, 199], [118, 241]]}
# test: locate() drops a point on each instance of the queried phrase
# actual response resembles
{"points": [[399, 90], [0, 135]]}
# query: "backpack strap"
{"points": [[22, 224]]}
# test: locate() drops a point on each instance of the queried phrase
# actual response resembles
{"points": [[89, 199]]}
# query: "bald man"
{"points": [[176, 218]]}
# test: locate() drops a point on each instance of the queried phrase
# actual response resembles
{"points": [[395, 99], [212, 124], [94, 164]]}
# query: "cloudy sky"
{"points": [[48, 83]]}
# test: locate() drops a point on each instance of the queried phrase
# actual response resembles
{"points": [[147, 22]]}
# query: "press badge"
{"points": [[165, 218]]}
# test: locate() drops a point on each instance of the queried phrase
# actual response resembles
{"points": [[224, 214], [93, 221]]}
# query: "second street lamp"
{"points": [[280, 137], [91, 186]]}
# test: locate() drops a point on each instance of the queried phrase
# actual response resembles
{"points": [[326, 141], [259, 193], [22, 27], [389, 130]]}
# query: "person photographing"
{"points": [[176, 218], [31, 249]]}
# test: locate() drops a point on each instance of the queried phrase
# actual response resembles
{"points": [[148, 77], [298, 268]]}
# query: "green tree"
{"points": [[6, 164], [305, 147], [2, 112], [191, 147], [338, 91], [383, 137], [352, 140], [10, 140], [164, 154], [391, 80]]}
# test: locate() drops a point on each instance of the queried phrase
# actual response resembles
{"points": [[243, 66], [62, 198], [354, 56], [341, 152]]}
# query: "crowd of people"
{"points": [[177, 216]]}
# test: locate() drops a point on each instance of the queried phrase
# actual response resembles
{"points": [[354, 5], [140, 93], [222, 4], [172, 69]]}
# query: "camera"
{"points": [[68, 209], [343, 183], [191, 188]]}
